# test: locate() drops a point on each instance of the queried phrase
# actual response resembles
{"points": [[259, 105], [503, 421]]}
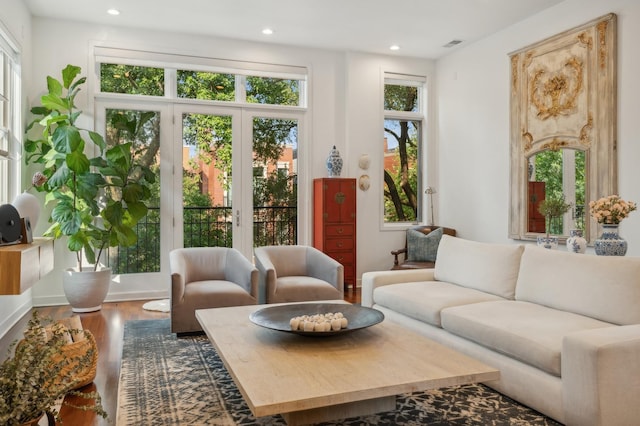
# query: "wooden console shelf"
{"points": [[22, 265]]}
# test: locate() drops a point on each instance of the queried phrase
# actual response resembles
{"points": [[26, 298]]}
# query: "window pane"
{"points": [[400, 98], [401, 194], [273, 91], [206, 180], [131, 80], [206, 85], [275, 181], [142, 129]]}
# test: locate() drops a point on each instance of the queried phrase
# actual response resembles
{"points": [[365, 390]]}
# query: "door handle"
{"points": [[237, 217]]}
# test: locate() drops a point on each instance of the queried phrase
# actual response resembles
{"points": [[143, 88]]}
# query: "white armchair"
{"points": [[298, 273], [208, 277]]}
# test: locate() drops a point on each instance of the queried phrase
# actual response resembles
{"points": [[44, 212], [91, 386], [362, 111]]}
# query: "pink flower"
{"points": [[611, 209], [38, 179]]}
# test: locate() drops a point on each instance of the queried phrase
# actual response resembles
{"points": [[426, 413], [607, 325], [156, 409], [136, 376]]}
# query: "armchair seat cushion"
{"points": [[302, 288], [219, 292], [414, 265]]}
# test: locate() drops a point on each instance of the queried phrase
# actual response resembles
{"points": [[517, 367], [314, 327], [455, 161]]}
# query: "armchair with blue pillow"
{"points": [[421, 247]]}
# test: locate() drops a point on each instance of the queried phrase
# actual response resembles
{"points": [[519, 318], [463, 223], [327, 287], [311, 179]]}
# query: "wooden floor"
{"points": [[107, 325]]}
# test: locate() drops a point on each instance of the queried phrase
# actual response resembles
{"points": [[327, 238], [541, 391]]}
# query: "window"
{"points": [[208, 86], [131, 80], [403, 140], [10, 119], [274, 91], [208, 110]]}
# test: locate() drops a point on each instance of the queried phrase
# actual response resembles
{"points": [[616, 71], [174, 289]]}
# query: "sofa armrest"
{"points": [[601, 376], [372, 280]]}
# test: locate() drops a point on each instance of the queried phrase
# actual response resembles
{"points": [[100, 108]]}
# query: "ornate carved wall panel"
{"points": [[563, 97]]}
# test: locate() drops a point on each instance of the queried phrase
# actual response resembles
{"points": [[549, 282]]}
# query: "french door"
{"points": [[238, 183], [147, 126], [224, 177]]}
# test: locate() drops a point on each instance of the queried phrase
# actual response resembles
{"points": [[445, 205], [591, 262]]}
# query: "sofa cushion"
{"points": [[602, 287], [488, 267], [421, 247], [525, 331], [424, 300]]}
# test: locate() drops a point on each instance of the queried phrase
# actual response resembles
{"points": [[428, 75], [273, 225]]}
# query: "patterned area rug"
{"points": [[165, 380]]}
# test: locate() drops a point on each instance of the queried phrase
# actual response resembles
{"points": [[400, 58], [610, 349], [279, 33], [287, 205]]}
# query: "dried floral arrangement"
{"points": [[38, 373]]}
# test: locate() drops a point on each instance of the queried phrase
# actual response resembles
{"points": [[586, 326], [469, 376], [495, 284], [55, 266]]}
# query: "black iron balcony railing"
{"points": [[203, 227]]}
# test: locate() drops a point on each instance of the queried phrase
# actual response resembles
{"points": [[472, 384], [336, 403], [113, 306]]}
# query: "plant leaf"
{"points": [[54, 102], [54, 86], [67, 139], [78, 162], [69, 73]]}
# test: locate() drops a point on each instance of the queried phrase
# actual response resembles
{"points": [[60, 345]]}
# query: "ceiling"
{"points": [[420, 27]]}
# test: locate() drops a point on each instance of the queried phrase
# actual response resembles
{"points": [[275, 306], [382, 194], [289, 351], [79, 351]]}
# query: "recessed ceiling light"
{"points": [[113, 12], [267, 31], [394, 47]]}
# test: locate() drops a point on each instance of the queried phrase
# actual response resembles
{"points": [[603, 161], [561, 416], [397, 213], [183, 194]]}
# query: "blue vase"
{"points": [[576, 243], [334, 163], [550, 242], [610, 243]]}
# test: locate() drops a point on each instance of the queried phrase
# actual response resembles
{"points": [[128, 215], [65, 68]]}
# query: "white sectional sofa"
{"points": [[562, 328]]}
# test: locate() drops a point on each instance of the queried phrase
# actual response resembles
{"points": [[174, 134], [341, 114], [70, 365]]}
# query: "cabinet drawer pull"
{"points": [[340, 230], [339, 244]]}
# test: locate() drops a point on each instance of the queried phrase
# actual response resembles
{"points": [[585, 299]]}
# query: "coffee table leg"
{"points": [[340, 411]]}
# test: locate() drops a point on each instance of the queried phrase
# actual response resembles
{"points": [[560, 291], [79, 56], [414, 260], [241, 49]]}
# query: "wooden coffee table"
{"points": [[315, 379]]}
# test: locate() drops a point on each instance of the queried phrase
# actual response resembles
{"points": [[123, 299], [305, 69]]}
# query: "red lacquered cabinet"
{"points": [[334, 222]]}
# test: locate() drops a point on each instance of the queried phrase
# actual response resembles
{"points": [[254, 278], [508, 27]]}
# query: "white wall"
{"points": [[365, 135], [16, 18], [473, 119]]}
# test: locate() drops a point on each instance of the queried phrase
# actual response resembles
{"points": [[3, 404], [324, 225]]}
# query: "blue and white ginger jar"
{"points": [[334, 163], [576, 243], [610, 243]]}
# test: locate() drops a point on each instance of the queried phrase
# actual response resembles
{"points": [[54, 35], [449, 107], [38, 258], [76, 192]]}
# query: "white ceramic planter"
{"points": [[86, 290]]}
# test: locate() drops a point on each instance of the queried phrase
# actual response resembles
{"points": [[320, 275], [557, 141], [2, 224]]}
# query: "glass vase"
{"points": [[610, 243]]}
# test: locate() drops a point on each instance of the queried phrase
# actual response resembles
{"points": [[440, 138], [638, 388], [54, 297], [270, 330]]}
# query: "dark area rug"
{"points": [[165, 380]]}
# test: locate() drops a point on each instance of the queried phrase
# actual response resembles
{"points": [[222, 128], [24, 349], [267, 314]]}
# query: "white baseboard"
{"points": [[111, 297], [13, 317]]}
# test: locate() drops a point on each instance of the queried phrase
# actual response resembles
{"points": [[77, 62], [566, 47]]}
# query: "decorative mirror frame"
{"points": [[564, 95]]}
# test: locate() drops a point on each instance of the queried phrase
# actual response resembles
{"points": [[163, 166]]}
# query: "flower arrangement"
{"points": [[37, 377], [611, 210]]}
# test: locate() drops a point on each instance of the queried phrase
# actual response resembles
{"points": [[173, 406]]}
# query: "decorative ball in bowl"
{"points": [[302, 318]]}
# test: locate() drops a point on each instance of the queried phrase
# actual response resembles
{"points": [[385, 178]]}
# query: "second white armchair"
{"points": [[297, 274]]}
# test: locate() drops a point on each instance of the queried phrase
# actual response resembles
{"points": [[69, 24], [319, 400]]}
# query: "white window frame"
{"points": [[420, 82], [11, 117]]}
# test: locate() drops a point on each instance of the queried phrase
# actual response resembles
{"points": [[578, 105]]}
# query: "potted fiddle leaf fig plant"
{"points": [[98, 192], [551, 208]]}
